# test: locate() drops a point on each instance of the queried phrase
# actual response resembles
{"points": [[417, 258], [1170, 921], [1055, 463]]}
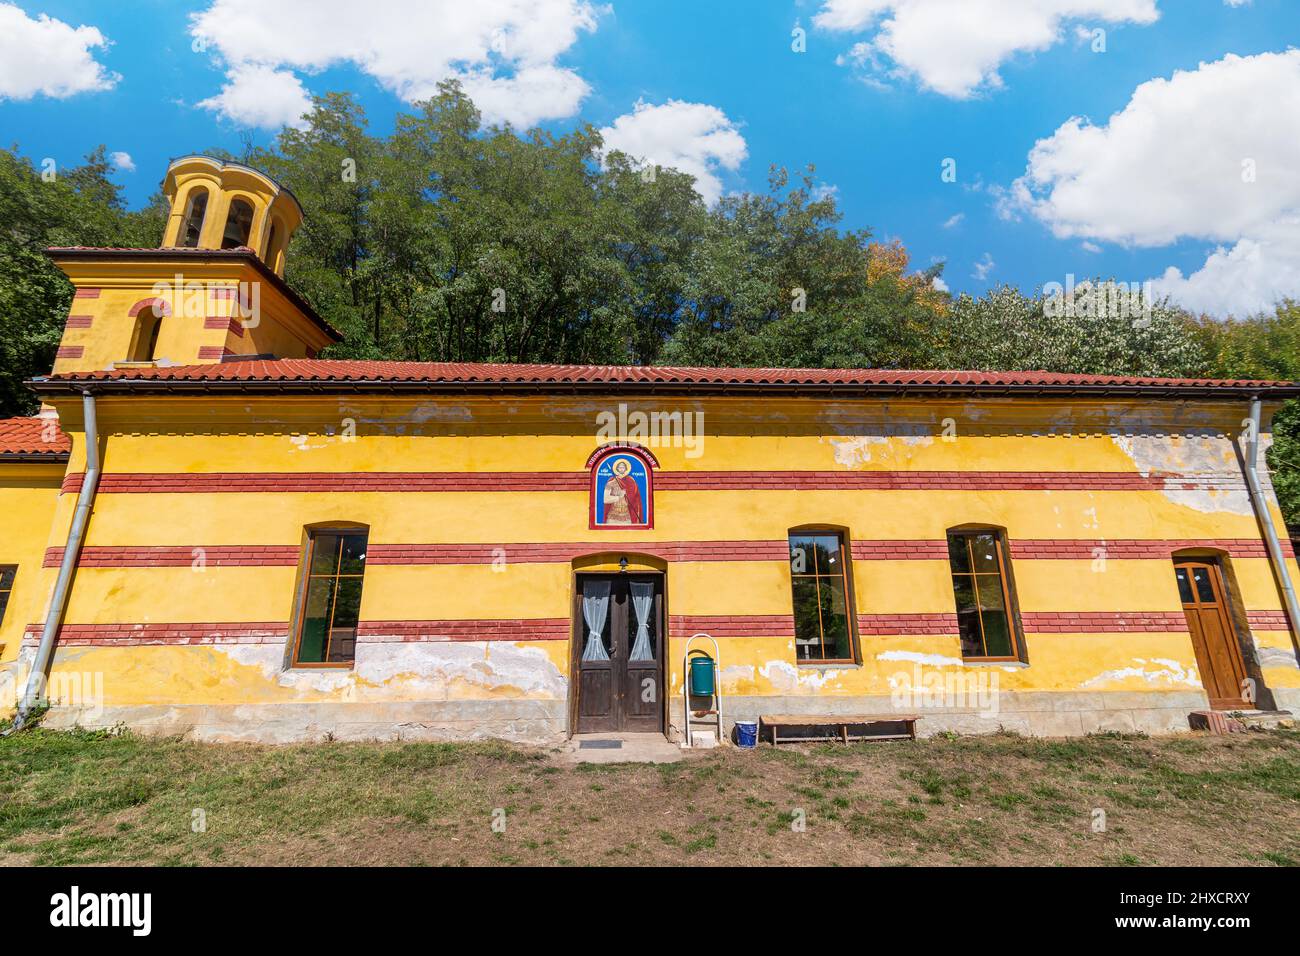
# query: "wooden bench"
{"points": [[905, 729]]}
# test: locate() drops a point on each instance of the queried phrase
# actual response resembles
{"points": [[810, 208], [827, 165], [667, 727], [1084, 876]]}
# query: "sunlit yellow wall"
{"points": [[321, 434], [28, 497], [192, 333]]}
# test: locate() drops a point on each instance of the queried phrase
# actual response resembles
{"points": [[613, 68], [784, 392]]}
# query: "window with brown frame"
{"points": [[823, 629], [331, 598], [7, 573], [986, 617]]}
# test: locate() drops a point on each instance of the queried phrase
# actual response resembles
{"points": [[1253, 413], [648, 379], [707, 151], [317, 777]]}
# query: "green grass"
{"points": [[90, 798]]}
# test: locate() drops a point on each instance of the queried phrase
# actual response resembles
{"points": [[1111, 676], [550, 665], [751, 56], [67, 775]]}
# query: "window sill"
{"points": [[828, 665]]}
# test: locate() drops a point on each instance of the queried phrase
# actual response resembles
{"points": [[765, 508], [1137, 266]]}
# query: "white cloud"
{"points": [[955, 47], [939, 284], [1209, 154], [503, 51], [694, 138], [123, 161], [260, 96], [983, 267], [48, 57], [952, 222]]}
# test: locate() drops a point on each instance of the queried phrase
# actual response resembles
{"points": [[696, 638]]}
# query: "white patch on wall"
{"points": [[785, 676], [1275, 656], [734, 673], [437, 666], [1169, 673], [913, 657], [1212, 455], [857, 450]]}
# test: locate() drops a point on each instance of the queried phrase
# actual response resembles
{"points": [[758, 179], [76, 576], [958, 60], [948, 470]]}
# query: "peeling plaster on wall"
{"points": [[437, 671], [1171, 673], [934, 660], [735, 673], [490, 667], [1275, 656], [269, 658], [785, 676], [857, 450], [303, 443], [1182, 454]]}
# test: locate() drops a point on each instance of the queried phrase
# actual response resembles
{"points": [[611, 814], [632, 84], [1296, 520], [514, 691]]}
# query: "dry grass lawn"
{"points": [[95, 798]]}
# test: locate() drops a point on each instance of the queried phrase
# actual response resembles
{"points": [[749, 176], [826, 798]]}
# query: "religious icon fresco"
{"points": [[621, 493]]}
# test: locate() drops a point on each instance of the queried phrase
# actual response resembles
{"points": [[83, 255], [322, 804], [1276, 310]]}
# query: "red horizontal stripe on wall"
{"points": [[671, 551], [539, 629], [1133, 548], [209, 482], [86, 292], [901, 550], [213, 351], [731, 625], [79, 321], [181, 556], [1106, 622], [134, 635], [906, 624], [1267, 620], [69, 351]]}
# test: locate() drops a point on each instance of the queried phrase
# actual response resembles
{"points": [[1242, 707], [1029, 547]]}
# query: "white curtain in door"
{"points": [[643, 598], [595, 611]]}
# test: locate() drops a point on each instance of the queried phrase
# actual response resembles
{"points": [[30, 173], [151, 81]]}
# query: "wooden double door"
{"points": [[618, 650], [1218, 652]]}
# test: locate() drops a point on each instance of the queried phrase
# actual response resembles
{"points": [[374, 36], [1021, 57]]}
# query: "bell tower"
{"points": [[213, 291]]}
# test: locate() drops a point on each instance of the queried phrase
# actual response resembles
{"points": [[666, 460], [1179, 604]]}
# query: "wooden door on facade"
{"points": [[1218, 653], [619, 651]]}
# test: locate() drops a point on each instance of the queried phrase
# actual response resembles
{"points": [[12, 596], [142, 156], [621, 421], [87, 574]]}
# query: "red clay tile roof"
{"points": [[25, 437], [328, 375]]}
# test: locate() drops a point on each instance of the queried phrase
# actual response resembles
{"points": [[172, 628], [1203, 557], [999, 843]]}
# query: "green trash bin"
{"points": [[702, 676]]}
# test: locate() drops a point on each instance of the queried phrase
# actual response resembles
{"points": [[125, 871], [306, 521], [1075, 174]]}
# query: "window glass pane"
{"points": [[990, 592], [968, 626], [4, 603], [1204, 589], [7, 573], [1184, 586], [984, 549], [803, 554], [343, 645], [828, 554], [807, 621], [957, 555], [353, 559], [997, 637], [324, 553], [835, 620], [347, 603], [963, 588], [315, 620]]}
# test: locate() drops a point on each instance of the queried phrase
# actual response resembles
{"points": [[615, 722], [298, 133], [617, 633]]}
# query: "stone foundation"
{"points": [[523, 721], [1032, 714]]}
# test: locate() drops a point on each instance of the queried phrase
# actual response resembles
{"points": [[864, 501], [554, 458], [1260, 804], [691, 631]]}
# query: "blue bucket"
{"points": [[747, 733]]}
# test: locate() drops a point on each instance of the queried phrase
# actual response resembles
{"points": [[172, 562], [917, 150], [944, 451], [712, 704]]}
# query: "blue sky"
{"points": [[1200, 172]]}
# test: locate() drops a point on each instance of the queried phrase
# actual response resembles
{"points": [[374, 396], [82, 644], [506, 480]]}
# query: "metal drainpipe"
{"points": [[68, 567], [1262, 513]]}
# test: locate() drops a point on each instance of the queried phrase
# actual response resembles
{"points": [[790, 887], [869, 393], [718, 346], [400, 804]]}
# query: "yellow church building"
{"points": [[209, 530]]}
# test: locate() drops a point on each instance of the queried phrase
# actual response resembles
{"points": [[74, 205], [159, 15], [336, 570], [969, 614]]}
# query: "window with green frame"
{"points": [[986, 617], [331, 598], [7, 573], [823, 630]]}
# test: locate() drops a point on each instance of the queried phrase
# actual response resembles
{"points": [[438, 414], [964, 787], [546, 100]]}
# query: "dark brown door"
{"points": [[619, 668], [1218, 655]]}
